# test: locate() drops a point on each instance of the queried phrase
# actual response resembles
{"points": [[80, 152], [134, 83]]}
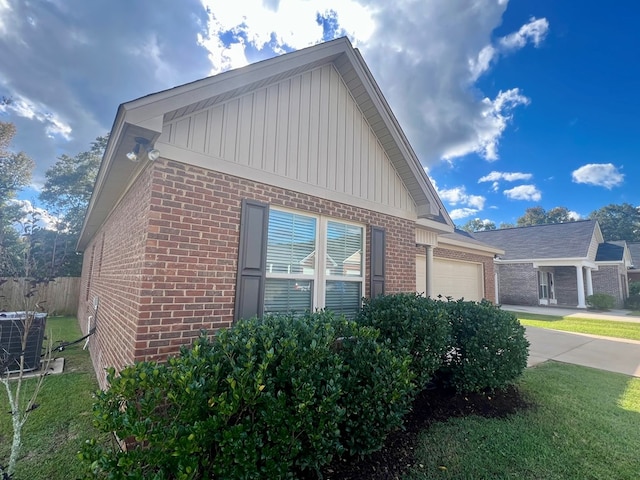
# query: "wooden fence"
{"points": [[59, 297]]}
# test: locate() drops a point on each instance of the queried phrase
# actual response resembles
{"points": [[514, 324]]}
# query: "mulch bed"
{"points": [[433, 405]]}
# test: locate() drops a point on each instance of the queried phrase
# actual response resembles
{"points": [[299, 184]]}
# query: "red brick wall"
{"points": [[178, 272], [486, 260], [112, 271]]}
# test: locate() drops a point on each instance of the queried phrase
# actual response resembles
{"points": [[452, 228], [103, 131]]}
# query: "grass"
{"points": [[605, 328], [584, 426], [57, 429]]}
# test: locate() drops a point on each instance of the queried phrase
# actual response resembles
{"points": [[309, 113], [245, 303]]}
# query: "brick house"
{"points": [[284, 185], [558, 264], [634, 271]]}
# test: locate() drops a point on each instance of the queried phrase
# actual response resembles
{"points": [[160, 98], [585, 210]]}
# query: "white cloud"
{"points": [[458, 213], [604, 175], [524, 192], [495, 178], [574, 215], [489, 126], [458, 195], [54, 125], [535, 31], [507, 176], [471, 204], [235, 27], [29, 212]]}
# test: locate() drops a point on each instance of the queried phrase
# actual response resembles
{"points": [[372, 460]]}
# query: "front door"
{"points": [[546, 288]]}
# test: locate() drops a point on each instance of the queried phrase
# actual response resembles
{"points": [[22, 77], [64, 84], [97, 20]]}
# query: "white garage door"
{"points": [[451, 278]]}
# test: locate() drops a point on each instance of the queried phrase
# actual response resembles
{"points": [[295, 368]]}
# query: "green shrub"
{"points": [[266, 399], [296, 422], [633, 302], [377, 388], [489, 348], [413, 324], [601, 301], [261, 401], [634, 288], [146, 409]]}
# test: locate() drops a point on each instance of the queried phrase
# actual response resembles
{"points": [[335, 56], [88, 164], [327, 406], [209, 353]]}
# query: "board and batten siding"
{"points": [[593, 248], [306, 128]]}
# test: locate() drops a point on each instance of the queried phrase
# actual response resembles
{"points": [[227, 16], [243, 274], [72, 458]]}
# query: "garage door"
{"points": [[451, 278]]}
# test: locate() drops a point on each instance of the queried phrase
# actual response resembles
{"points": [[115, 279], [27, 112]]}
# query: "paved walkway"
{"points": [[613, 355], [604, 353], [616, 315]]}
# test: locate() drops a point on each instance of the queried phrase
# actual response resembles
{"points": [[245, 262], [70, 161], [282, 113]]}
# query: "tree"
{"points": [[618, 222], [539, 216], [560, 215], [478, 225], [15, 168], [15, 173], [69, 184], [66, 193], [532, 216]]}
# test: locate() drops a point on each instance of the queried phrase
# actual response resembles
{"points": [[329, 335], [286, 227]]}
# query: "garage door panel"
{"points": [[452, 278]]}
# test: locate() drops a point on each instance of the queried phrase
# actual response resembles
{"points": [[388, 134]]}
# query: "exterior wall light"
{"points": [[143, 144]]}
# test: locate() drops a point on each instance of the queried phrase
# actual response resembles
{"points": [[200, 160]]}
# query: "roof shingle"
{"points": [[556, 240]]}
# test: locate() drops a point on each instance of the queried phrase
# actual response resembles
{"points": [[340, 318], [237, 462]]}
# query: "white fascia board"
{"points": [[438, 227], [557, 262], [443, 241]]}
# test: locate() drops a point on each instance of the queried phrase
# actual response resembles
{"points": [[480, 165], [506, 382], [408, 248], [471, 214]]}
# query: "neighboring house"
{"points": [[284, 185], [558, 264], [634, 272]]}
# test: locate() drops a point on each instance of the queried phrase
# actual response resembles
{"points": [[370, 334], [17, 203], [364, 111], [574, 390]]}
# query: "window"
{"points": [[313, 262], [546, 290]]}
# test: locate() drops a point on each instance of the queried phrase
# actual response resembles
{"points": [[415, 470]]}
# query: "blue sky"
{"points": [[508, 104]]}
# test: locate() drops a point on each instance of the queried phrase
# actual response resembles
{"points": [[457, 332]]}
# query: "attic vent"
{"points": [[11, 330]]}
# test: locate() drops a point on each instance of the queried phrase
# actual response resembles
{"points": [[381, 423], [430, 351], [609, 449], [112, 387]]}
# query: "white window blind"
{"points": [[313, 263]]}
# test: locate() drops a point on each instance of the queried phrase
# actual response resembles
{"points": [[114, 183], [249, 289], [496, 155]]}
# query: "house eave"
{"points": [[116, 172], [551, 262], [451, 242]]}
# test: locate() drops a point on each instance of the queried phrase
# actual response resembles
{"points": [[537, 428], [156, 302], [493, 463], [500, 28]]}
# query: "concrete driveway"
{"points": [[613, 355]]}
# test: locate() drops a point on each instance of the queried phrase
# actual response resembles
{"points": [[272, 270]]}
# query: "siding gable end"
{"points": [[306, 128]]}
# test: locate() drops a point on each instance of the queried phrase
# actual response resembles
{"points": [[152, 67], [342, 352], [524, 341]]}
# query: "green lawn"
{"points": [[606, 328], [56, 430], [584, 426]]}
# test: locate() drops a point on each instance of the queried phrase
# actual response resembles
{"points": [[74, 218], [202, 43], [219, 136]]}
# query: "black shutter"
{"points": [[377, 261], [252, 259]]}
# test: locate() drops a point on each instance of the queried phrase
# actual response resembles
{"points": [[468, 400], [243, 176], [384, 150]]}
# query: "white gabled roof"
{"points": [[146, 116]]}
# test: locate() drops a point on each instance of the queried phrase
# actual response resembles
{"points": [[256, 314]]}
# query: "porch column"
{"points": [[429, 280], [589, 283], [581, 297]]}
